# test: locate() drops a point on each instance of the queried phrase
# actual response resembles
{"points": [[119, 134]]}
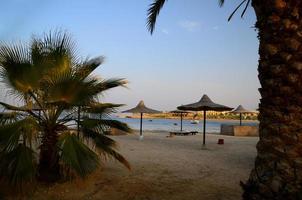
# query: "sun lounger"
{"points": [[183, 132], [194, 132]]}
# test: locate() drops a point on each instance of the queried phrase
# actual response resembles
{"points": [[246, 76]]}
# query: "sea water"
{"points": [[212, 126]]}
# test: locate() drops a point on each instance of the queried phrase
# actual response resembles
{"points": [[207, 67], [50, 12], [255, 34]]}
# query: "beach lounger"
{"points": [[194, 132], [183, 132]]}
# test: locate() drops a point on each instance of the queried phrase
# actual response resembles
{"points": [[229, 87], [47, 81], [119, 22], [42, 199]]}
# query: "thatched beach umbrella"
{"points": [[204, 104], [241, 110], [141, 108], [181, 112]]}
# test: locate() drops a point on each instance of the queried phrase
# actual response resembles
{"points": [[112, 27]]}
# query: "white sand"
{"points": [[167, 168]]}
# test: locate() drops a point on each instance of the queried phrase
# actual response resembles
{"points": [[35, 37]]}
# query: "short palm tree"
{"points": [[277, 173], [38, 140]]}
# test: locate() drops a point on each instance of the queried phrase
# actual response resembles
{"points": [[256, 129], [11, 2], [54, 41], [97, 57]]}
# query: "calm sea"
{"points": [[212, 126]]}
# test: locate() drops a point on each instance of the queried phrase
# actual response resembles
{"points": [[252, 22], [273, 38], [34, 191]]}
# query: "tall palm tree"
{"points": [[38, 140], [277, 173]]}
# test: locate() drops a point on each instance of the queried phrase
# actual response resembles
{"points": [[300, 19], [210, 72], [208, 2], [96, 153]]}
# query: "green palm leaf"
{"points": [[236, 9], [10, 136], [69, 89], [100, 125], [155, 8], [88, 67], [102, 108], [95, 129], [18, 165], [105, 85], [109, 152], [14, 108], [105, 146], [76, 155], [23, 131], [57, 49], [116, 124], [153, 12], [8, 117], [221, 2], [17, 70]]}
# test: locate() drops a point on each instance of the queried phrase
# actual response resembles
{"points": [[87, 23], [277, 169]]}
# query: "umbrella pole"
{"points": [[240, 118], [141, 127], [180, 121], [79, 116], [204, 128]]}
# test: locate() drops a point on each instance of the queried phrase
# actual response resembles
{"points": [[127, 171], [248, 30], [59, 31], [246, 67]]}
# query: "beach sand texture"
{"points": [[166, 168]]}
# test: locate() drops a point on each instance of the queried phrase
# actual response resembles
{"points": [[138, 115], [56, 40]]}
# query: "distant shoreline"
{"points": [[194, 116], [178, 118]]}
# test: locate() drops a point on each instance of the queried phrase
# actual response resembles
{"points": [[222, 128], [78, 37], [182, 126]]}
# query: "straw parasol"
{"points": [[204, 104], [241, 110], [181, 112], [141, 108]]}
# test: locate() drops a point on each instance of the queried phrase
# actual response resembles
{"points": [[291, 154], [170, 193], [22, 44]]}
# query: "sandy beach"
{"points": [[166, 168]]}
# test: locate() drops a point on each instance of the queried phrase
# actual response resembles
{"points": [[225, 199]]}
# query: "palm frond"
{"points": [[15, 108], [23, 131], [106, 151], [105, 146], [102, 125], [76, 155], [102, 108], [88, 67], [245, 8], [95, 129], [100, 140], [10, 136], [60, 47], [30, 129], [116, 124], [221, 2], [104, 85], [69, 89], [74, 91], [236, 9], [17, 71], [68, 116], [153, 12], [18, 165], [11, 107], [155, 7], [8, 117]]}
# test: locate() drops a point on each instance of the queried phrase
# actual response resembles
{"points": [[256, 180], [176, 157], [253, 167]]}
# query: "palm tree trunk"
{"points": [[48, 169], [277, 173]]}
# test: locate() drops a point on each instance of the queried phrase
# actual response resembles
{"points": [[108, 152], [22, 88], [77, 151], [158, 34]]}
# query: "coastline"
{"points": [[194, 116], [167, 125], [178, 118]]}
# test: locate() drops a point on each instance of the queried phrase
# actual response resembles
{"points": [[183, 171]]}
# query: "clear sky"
{"points": [[194, 50]]}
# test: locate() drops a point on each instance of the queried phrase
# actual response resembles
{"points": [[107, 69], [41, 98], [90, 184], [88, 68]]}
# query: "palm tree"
{"points": [[38, 140], [277, 173]]}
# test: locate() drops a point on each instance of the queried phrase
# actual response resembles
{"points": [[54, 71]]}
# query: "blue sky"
{"points": [[194, 50]]}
